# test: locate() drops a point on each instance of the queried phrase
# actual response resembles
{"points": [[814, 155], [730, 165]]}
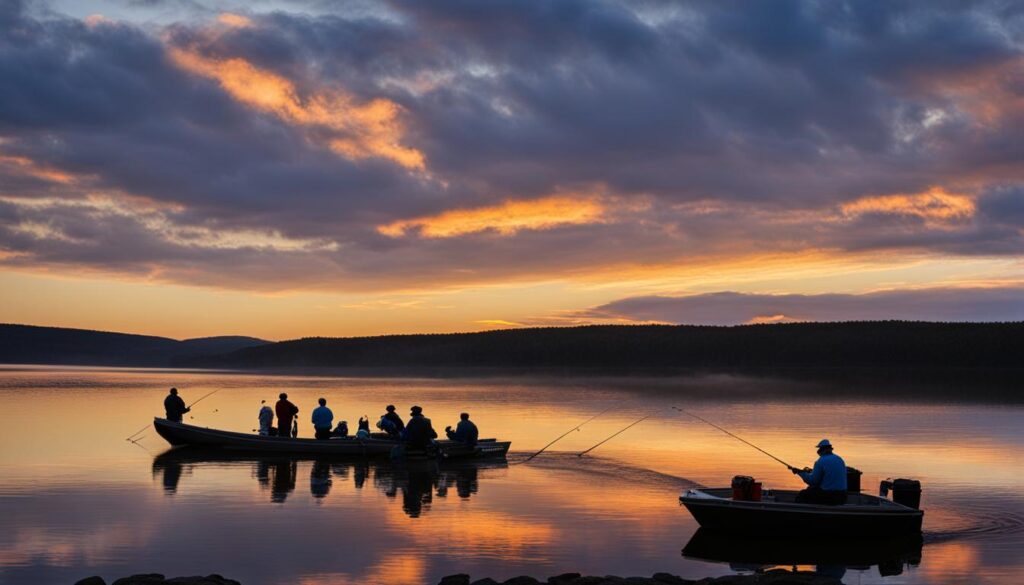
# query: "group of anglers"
{"points": [[826, 482], [417, 432]]}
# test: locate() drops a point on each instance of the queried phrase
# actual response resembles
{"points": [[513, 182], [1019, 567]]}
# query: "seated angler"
{"points": [[341, 430], [419, 432], [322, 418], [466, 432], [827, 481], [391, 423], [363, 430]]}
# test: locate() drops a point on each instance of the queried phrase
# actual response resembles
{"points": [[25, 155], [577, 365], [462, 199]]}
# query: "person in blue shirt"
{"points": [[323, 418], [826, 483], [466, 432]]}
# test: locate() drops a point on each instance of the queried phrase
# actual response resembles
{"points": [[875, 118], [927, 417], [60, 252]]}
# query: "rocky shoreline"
{"points": [[777, 577]]}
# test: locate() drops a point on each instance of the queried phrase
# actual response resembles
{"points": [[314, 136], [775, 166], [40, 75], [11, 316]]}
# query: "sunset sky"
{"points": [[293, 168]]}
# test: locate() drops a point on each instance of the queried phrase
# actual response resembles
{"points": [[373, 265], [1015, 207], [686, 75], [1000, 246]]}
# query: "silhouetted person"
{"points": [[322, 418], [286, 411], [826, 483], [396, 424], [466, 432], [419, 431], [341, 430], [266, 418], [175, 406], [363, 430]]}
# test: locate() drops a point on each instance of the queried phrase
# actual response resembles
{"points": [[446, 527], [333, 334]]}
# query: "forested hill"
{"points": [[644, 347], [26, 344]]}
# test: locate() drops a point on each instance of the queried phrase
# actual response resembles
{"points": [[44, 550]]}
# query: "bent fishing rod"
{"points": [[738, 438], [634, 423], [565, 434]]}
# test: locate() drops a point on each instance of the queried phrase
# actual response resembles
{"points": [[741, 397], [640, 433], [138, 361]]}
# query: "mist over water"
{"points": [[77, 499]]}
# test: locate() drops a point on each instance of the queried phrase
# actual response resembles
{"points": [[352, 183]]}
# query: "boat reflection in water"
{"points": [[416, 482], [828, 556]]}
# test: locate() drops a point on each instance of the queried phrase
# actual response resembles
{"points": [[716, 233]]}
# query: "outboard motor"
{"points": [[853, 480], [904, 491]]}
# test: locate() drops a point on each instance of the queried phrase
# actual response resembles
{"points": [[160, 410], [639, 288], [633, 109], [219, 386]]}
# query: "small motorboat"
{"points": [[776, 512], [181, 434]]}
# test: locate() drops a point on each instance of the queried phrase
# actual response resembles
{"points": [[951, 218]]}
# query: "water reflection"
{"points": [[415, 483], [831, 557]]}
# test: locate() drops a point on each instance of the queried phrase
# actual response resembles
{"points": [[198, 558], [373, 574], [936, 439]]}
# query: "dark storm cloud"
{"points": [[777, 113], [731, 308]]}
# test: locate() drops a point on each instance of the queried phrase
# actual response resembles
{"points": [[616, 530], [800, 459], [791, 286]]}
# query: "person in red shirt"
{"points": [[286, 411]]}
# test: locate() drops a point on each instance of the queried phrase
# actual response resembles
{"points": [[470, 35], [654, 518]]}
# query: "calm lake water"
{"points": [[76, 499]]}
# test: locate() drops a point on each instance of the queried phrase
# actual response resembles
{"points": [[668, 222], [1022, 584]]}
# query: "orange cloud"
{"points": [[506, 218], [933, 205], [234, 20], [362, 130], [24, 166]]}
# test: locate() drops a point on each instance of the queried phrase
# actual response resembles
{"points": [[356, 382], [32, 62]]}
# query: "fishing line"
{"points": [[738, 438], [567, 433], [634, 423], [132, 436]]}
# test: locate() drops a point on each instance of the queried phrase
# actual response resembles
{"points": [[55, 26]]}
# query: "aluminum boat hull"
{"points": [[779, 514]]}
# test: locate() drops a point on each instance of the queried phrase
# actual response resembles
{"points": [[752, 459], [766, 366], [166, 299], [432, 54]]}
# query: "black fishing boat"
{"points": [[181, 434], [778, 513]]}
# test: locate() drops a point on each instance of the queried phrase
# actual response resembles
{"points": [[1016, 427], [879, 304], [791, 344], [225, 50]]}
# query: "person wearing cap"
{"points": [[322, 420], [286, 411], [419, 432], [826, 483], [466, 432], [396, 422], [175, 406]]}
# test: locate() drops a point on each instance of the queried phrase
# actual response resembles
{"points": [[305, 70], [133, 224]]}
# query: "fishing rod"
{"points": [[634, 423], [741, 439], [565, 434], [203, 397]]}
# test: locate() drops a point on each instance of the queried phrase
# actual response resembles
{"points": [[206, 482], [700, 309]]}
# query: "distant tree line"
{"points": [[881, 344]]}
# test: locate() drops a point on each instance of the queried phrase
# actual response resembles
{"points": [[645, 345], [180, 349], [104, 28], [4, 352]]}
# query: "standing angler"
{"points": [[826, 483], [175, 406], [286, 411]]}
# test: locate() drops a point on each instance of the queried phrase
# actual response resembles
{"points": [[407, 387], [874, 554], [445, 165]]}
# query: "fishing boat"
{"points": [[778, 513], [181, 434]]}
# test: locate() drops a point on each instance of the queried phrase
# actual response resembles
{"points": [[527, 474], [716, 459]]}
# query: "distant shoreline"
{"points": [[892, 347]]}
